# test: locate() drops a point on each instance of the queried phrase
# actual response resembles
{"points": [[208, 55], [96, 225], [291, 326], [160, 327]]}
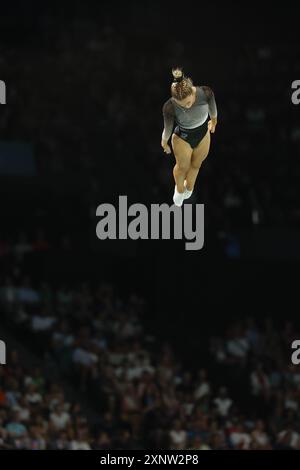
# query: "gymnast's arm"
{"points": [[168, 115], [212, 107]]}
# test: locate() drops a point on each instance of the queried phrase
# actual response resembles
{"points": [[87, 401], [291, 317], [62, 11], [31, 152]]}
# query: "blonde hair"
{"points": [[182, 86]]}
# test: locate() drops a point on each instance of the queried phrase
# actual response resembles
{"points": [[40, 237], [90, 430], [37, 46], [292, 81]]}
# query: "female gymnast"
{"points": [[189, 106]]}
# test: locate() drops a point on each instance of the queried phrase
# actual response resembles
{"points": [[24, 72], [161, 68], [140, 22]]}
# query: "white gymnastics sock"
{"points": [[178, 197], [187, 193]]}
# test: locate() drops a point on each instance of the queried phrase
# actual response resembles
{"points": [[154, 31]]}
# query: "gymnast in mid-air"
{"points": [[189, 106]]}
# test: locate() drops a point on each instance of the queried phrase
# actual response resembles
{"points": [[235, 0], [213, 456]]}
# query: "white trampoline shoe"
{"points": [[187, 193], [178, 198]]}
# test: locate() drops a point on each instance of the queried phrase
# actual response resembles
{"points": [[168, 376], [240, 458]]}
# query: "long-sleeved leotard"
{"points": [[189, 118]]}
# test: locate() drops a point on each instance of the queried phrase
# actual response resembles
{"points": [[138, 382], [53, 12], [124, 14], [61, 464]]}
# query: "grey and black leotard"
{"points": [[189, 118]]}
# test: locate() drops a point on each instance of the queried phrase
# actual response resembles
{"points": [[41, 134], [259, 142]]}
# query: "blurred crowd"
{"points": [[34, 412], [247, 396]]}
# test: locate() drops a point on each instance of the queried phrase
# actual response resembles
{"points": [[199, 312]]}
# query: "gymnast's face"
{"points": [[188, 101]]}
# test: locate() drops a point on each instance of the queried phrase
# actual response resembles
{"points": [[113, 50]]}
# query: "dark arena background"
{"points": [[142, 344]]}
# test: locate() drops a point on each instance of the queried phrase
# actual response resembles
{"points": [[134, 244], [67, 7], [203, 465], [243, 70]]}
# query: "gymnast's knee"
{"points": [[182, 167]]}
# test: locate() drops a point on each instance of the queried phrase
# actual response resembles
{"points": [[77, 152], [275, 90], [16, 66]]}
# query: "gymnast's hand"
{"points": [[165, 146], [212, 125]]}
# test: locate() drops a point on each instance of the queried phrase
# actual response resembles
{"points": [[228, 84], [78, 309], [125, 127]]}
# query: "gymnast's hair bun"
{"points": [[177, 74]]}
